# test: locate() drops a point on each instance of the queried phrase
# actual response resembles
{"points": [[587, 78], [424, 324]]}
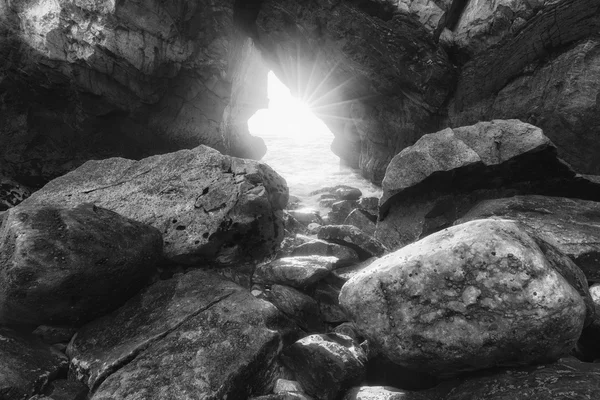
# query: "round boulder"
{"points": [[473, 296]]}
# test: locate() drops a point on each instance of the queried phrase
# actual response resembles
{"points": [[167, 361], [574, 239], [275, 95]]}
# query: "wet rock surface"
{"points": [[28, 365], [469, 297], [325, 365], [352, 237], [298, 272], [58, 265], [209, 207]]}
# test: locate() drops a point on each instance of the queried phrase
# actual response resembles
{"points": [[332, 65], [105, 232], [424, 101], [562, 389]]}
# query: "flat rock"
{"points": [[362, 220], [27, 365], [564, 380], [350, 236], [470, 297], [208, 206], [63, 265], [317, 247], [571, 225], [298, 272], [326, 364], [212, 334], [382, 393], [143, 320]]}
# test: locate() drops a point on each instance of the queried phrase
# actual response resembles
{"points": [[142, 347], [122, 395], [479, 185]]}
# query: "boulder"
{"points": [[326, 364], [434, 182], [589, 342], [571, 225], [348, 193], [350, 236], [563, 380], [27, 366], [63, 265], [362, 220], [209, 207], [212, 334], [298, 306], [299, 272], [470, 297], [286, 385], [340, 210], [345, 255]]}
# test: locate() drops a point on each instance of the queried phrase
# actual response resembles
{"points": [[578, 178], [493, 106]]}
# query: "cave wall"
{"points": [[97, 78], [90, 79]]}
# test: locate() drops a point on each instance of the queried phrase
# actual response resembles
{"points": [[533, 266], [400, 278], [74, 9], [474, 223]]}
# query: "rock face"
{"points": [[536, 61], [432, 183], [27, 365], [326, 365], [571, 225], [97, 79], [212, 334], [207, 206], [59, 265], [470, 297]]}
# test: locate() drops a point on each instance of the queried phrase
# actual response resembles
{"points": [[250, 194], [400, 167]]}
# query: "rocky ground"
{"points": [[194, 275]]}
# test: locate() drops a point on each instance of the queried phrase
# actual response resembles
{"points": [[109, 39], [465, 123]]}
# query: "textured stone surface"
{"points": [[350, 236], [537, 61], [298, 272], [563, 380], [298, 306], [345, 255], [95, 79], [212, 334], [432, 183], [69, 265], [571, 225], [470, 297], [326, 364], [27, 365], [383, 393], [208, 206]]}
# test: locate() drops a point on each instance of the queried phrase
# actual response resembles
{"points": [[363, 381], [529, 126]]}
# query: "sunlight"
{"points": [[286, 116]]}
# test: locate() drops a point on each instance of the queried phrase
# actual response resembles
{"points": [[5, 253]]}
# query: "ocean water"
{"points": [[300, 152]]}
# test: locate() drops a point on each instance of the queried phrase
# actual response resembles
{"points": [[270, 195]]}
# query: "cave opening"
{"points": [[299, 144]]}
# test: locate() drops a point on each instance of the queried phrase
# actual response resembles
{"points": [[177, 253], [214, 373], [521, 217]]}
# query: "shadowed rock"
{"points": [[70, 265]]}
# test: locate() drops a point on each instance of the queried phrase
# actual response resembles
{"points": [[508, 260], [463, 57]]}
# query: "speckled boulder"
{"points": [[470, 297], [70, 265], [208, 206]]}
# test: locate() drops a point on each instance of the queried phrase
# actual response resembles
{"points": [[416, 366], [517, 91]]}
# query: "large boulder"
{"points": [[213, 335], [571, 225], [62, 265], [208, 206], [429, 185], [27, 366], [470, 297]]}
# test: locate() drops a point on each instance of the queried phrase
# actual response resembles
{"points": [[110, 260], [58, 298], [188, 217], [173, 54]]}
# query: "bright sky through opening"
{"points": [[286, 116]]}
